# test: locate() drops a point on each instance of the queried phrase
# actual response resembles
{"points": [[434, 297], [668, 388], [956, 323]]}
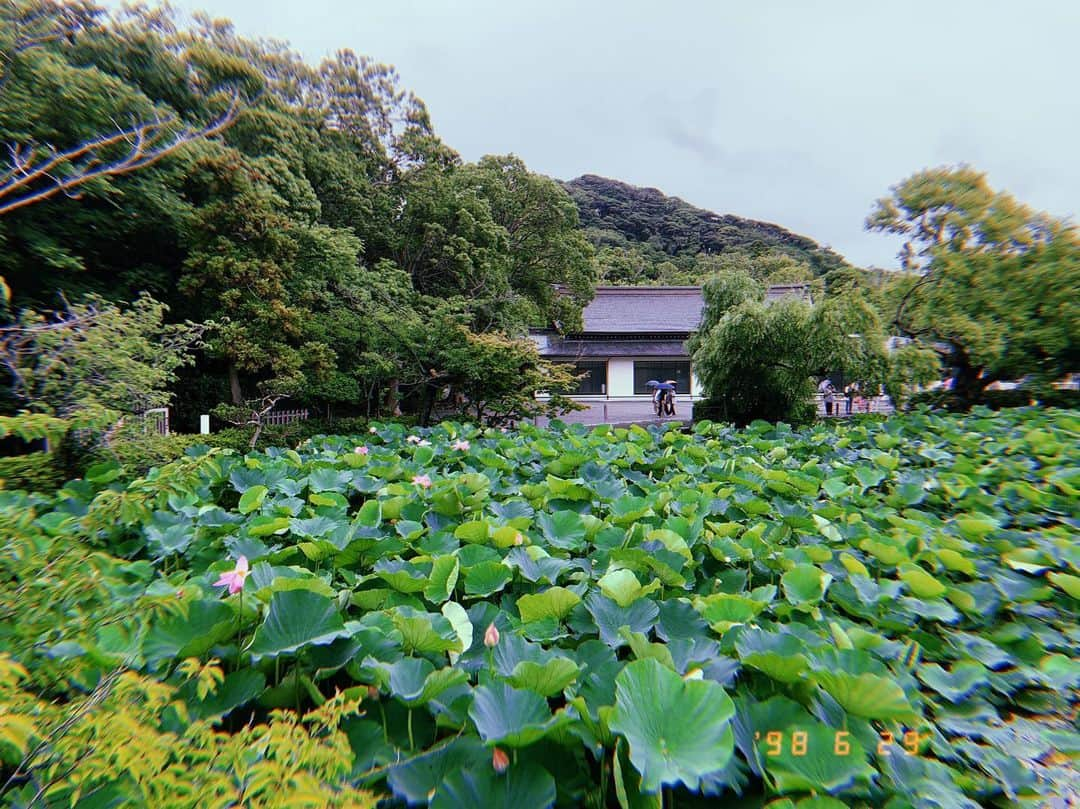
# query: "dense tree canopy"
{"points": [[310, 211], [991, 283]]}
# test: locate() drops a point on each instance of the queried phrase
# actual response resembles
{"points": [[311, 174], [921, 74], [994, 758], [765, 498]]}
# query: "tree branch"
{"points": [[36, 174]]}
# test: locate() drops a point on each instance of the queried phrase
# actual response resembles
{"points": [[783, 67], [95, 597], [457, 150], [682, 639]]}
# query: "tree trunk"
{"points": [[967, 384], [234, 385], [427, 405], [392, 397]]}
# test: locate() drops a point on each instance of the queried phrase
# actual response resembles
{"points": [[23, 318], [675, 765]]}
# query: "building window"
{"points": [[595, 383], [661, 371]]}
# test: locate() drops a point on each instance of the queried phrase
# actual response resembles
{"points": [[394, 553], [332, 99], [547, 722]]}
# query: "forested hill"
{"points": [[644, 236]]}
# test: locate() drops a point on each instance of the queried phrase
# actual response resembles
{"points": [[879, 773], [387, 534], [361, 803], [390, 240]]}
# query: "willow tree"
{"points": [[759, 360]]}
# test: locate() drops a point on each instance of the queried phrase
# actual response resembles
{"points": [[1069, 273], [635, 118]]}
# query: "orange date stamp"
{"points": [[797, 742]]}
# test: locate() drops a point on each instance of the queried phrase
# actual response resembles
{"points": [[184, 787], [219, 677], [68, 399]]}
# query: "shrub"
{"points": [[35, 472], [1047, 396]]}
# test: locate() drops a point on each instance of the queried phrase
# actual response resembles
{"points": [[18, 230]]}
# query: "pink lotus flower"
{"points": [[372, 430], [491, 636], [499, 760], [422, 480], [461, 445], [412, 439], [361, 450], [234, 579]]}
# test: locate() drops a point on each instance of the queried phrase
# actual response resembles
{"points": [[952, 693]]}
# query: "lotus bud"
{"points": [[499, 760], [491, 636]]}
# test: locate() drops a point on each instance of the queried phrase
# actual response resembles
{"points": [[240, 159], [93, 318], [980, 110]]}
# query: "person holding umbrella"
{"points": [[663, 396]]}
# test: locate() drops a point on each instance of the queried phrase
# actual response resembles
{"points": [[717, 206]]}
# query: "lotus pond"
{"points": [[880, 613]]}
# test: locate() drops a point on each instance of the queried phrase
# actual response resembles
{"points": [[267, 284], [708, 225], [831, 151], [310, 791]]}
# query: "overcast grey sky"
{"points": [[796, 112]]}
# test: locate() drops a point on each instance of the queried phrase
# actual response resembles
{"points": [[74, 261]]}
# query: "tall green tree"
{"points": [[991, 284]]}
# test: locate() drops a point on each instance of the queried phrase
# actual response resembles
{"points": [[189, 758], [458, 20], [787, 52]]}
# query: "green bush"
{"points": [[1047, 396], [137, 452], [730, 410], [35, 472]]}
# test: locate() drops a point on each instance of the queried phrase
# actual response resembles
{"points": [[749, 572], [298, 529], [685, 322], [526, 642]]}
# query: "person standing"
{"points": [[850, 392], [828, 394]]}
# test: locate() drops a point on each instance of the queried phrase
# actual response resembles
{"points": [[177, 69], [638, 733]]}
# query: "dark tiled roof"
{"points": [[583, 349], [644, 309], [650, 311]]}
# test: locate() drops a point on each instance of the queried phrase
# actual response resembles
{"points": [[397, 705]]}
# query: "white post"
{"points": [[204, 424]]}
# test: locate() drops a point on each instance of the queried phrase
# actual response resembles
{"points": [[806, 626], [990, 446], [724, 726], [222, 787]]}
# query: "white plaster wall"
{"points": [[695, 383], [620, 375]]}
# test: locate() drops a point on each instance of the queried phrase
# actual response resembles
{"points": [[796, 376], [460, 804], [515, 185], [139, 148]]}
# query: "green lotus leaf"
{"points": [[462, 626], [870, 696], [609, 617], [416, 779], [672, 541], [265, 525], [1067, 582], [820, 802], [957, 684], [869, 477], [1027, 560], [623, 587], [404, 577], [652, 706], [628, 783], [547, 679], [415, 681], [724, 610], [554, 602], [977, 527], [370, 514], [424, 632], [190, 634], [820, 768], [563, 529], [805, 584], [252, 499], [561, 489], [443, 579], [525, 784], [237, 689], [512, 717], [476, 531], [779, 656], [627, 510], [956, 561], [487, 578], [297, 618], [329, 480], [921, 583]]}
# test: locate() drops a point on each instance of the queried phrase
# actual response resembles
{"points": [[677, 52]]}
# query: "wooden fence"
{"points": [[285, 416]]}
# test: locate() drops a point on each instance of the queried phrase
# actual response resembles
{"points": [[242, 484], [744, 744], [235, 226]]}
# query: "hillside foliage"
{"points": [[643, 236]]}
